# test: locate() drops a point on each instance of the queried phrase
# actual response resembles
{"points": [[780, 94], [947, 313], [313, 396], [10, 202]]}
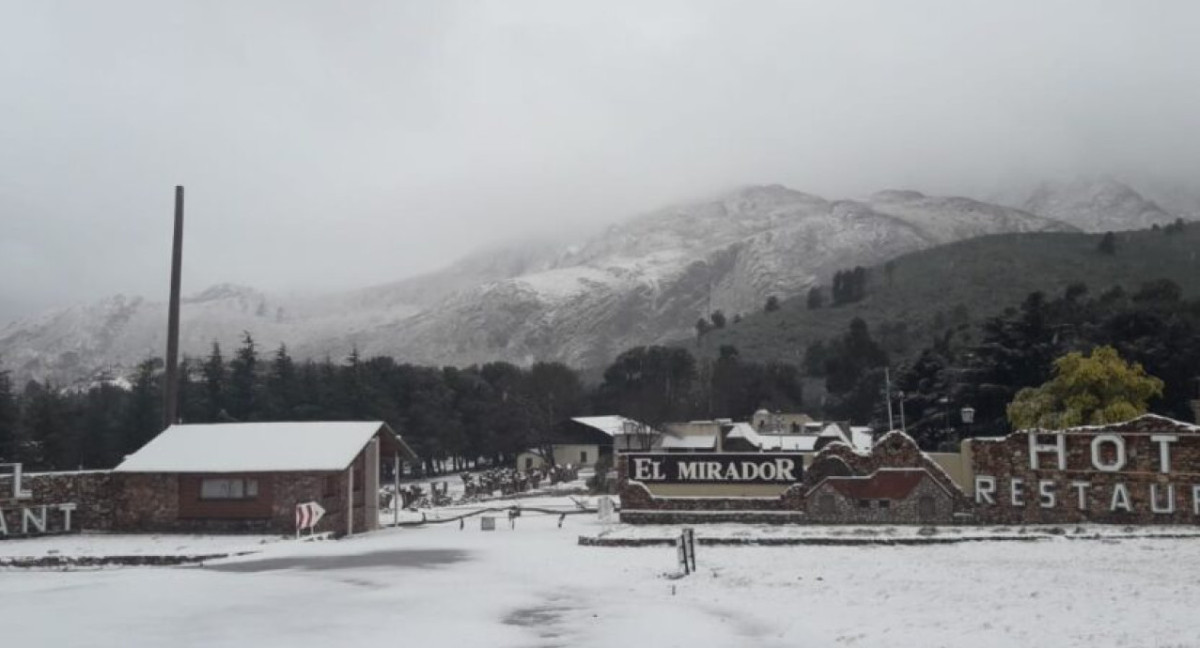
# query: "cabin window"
{"points": [[583, 457], [864, 503], [885, 503], [528, 463], [331, 484], [228, 489]]}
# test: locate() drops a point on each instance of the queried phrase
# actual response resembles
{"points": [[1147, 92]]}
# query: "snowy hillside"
{"points": [[649, 279], [1096, 205], [643, 281]]}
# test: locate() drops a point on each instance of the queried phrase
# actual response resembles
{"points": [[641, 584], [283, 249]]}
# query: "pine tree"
{"points": [[816, 298], [243, 397], [100, 418], [283, 387], [143, 416], [1108, 244], [9, 415], [214, 385], [772, 304], [45, 419]]}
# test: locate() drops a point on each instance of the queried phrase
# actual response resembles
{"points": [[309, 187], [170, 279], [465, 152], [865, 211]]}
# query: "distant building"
{"points": [[584, 440], [780, 422], [723, 435]]}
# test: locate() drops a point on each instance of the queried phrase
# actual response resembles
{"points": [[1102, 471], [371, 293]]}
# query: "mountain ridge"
{"points": [[644, 280]]}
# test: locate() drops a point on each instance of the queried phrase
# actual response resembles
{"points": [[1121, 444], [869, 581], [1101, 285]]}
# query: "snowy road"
{"points": [[534, 586]]}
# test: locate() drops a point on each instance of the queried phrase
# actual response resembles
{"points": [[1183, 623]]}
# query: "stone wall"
{"points": [[92, 493], [1010, 490], [893, 451], [827, 505], [150, 503]]}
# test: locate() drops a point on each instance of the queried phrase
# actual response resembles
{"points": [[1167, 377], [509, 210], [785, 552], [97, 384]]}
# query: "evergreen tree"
{"points": [[652, 384], [718, 319], [8, 420], [192, 399], [1108, 244], [214, 385], [243, 381], [143, 416], [849, 360], [552, 391], [772, 304], [46, 422], [101, 421], [815, 299], [282, 387]]}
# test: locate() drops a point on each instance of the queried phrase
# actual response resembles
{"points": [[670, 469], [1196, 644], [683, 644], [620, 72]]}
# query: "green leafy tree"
{"points": [[1086, 390]]}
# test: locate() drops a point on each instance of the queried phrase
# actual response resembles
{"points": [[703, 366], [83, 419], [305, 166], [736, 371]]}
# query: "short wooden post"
{"points": [[396, 489], [350, 502]]}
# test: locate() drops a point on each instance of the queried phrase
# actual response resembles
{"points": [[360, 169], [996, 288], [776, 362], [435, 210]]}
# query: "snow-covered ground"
{"points": [[535, 586], [114, 544]]}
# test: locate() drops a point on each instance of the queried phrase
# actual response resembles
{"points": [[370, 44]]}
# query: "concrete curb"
{"points": [[70, 562], [595, 541]]}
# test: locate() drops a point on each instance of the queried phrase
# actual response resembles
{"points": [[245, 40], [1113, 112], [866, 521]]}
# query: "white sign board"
{"points": [[307, 516], [606, 510]]}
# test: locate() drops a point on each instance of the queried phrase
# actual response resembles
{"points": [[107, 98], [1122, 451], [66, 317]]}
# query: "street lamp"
{"points": [[968, 417]]}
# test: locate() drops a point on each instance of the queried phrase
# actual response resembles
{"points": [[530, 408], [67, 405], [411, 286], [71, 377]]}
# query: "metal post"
{"points": [[887, 380], [350, 503], [171, 389], [395, 489]]}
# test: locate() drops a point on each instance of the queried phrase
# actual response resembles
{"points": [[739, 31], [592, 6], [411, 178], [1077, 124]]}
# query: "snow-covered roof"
{"points": [[785, 442], [861, 437], [258, 447], [613, 425], [689, 441]]}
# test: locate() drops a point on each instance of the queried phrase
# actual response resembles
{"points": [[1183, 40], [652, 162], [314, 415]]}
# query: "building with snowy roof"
{"points": [[724, 435], [584, 440], [250, 477]]}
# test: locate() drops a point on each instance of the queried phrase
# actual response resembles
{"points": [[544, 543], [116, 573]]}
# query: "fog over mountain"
{"points": [[330, 146], [644, 280]]}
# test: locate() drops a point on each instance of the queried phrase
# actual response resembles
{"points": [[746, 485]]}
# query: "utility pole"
{"points": [[887, 381], [171, 389]]}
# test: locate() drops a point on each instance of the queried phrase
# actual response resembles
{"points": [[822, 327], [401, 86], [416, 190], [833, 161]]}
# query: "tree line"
{"points": [[1152, 326], [450, 416]]}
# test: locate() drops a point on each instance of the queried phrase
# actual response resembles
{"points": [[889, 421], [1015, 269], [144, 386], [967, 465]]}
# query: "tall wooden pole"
{"points": [[171, 389]]}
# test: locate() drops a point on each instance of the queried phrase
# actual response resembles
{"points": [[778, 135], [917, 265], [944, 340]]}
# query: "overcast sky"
{"points": [[335, 144]]}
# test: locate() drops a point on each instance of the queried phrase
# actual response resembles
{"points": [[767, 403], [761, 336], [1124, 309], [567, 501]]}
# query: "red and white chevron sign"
{"points": [[307, 515]]}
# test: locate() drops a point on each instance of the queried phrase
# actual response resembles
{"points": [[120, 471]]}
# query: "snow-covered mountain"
{"points": [[1096, 205], [643, 281]]}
